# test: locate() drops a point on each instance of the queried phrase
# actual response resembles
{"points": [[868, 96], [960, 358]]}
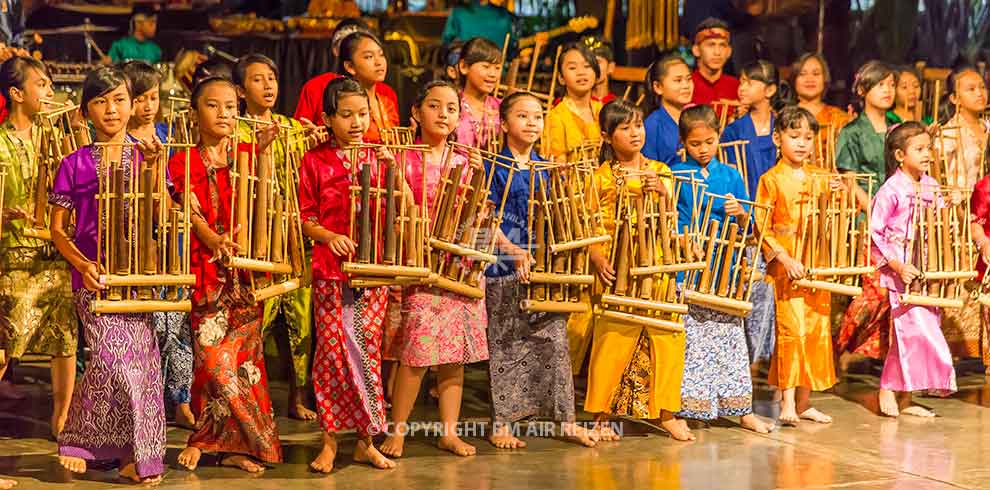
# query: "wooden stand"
{"points": [[833, 239], [940, 246]]}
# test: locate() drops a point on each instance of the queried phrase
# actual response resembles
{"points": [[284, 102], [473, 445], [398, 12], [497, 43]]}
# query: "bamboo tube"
{"points": [[541, 249], [725, 305], [706, 274], [364, 220], [119, 222], [390, 245], [413, 236], [241, 212], [256, 265], [375, 270], [560, 279], [657, 323], [276, 290], [741, 284], [137, 280], [661, 203], [136, 306], [645, 253], [823, 237], [622, 253], [643, 304], [259, 230], [723, 279], [174, 266], [554, 306], [532, 67], [41, 196], [278, 231]]}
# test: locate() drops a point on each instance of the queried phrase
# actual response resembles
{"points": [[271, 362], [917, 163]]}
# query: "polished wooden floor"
{"points": [[859, 451]]}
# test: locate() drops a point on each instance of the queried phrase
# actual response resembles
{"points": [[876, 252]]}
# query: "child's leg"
{"points": [[676, 427], [788, 407], [451, 388], [888, 403], [604, 429], [189, 457], [365, 452], [502, 437], [906, 401], [407, 383], [63, 382], [803, 402], [324, 461]]}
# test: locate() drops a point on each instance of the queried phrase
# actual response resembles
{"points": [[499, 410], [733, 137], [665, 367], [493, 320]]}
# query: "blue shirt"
{"points": [[515, 219], [662, 138], [761, 153]]}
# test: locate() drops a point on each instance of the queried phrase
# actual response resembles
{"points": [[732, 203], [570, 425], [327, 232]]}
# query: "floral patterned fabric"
{"points": [[716, 366], [175, 342], [440, 327]]}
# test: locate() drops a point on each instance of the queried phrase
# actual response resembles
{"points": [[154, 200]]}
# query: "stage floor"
{"points": [[859, 451]]}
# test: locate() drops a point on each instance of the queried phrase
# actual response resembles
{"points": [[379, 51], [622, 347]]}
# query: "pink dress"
{"points": [[438, 327], [919, 357], [477, 129]]}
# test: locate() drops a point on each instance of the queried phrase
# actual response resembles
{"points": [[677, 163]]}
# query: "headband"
{"points": [[711, 33], [339, 36]]}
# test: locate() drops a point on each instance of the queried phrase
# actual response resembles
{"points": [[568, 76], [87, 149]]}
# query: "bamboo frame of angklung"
{"points": [[940, 246], [831, 241], [382, 213], [265, 212], [825, 140], [645, 225], [53, 141], [140, 231], [464, 222], [178, 122], [560, 228], [739, 160], [724, 243]]}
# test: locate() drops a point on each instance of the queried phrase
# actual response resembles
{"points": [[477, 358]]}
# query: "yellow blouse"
{"points": [[787, 191], [566, 130], [607, 191]]}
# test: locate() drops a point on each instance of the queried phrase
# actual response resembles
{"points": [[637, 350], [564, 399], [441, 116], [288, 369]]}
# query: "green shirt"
{"points": [[860, 149], [893, 118], [19, 158], [487, 21], [129, 48], [245, 135]]}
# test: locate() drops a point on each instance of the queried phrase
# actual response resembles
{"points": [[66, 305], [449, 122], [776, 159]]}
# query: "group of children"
{"points": [[214, 369]]}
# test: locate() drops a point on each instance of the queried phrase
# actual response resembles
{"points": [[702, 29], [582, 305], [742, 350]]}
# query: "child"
{"points": [[230, 388], [529, 368], [117, 410], [439, 328], [860, 150], [139, 45], [802, 361], [256, 77], [39, 315], [575, 119], [907, 96], [759, 91], [980, 228], [479, 66], [626, 354], [919, 358], [171, 328], [606, 65], [363, 57], [809, 81], [713, 48], [671, 88], [716, 365], [347, 364]]}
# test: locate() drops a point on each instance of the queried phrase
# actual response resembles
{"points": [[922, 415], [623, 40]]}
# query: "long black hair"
{"points": [[657, 71], [348, 48], [421, 97], [102, 81], [142, 75], [588, 56], [764, 71], [897, 139], [947, 110], [337, 89], [613, 115], [13, 74]]}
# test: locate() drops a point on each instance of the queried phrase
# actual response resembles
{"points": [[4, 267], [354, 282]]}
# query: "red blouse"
{"points": [[324, 198], [980, 209], [310, 104]]}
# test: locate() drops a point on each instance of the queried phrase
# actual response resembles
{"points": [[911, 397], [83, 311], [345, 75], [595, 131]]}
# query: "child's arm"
{"points": [[59, 219], [767, 192], [884, 208], [520, 257], [980, 211]]}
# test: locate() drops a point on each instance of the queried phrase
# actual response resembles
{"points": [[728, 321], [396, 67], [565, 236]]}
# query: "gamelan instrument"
{"points": [[463, 221], [265, 217], [647, 251], [561, 227], [383, 212], [140, 231], [940, 245], [725, 284], [833, 241], [57, 138]]}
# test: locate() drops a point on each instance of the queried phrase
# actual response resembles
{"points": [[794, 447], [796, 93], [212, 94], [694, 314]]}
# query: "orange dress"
{"points": [[831, 119]]}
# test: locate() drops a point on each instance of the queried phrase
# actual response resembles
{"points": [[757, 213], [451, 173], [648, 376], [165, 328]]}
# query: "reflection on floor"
{"points": [[861, 450]]}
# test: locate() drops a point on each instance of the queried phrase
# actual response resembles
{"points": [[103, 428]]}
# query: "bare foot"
{"points": [[605, 433], [324, 461], [7, 484], [75, 465], [752, 422], [366, 453], [184, 417], [580, 435], [788, 413], [455, 445], [189, 458], [918, 411], [393, 446], [242, 462], [502, 438], [814, 415], [678, 429], [888, 403], [10, 392], [129, 472], [297, 408]]}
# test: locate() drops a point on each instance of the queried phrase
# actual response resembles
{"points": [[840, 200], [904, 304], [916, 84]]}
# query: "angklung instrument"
{"points": [[388, 227], [833, 238], [180, 128], [57, 138], [265, 213], [140, 232], [561, 227], [647, 251], [725, 285], [940, 246], [464, 222]]}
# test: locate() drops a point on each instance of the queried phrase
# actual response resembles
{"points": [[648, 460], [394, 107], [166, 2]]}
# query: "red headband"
{"points": [[711, 33]]}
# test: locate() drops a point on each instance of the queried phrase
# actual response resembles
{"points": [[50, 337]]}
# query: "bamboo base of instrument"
{"points": [[256, 265], [383, 271], [276, 290], [643, 304], [919, 300], [667, 269], [551, 278], [728, 306], [841, 271], [665, 325], [468, 253], [377, 282], [553, 306], [576, 244], [949, 275], [455, 287], [39, 233], [149, 280], [138, 306], [829, 286]]}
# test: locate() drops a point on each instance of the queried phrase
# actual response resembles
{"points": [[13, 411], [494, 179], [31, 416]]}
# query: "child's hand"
{"points": [[222, 245], [385, 155], [18, 212], [605, 272], [795, 269], [836, 185], [523, 262], [985, 252], [266, 135], [474, 158], [91, 276], [150, 149], [340, 245], [907, 272], [732, 207], [308, 125]]}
